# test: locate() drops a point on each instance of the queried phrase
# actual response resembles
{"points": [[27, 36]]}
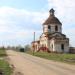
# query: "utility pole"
{"points": [[34, 44]]}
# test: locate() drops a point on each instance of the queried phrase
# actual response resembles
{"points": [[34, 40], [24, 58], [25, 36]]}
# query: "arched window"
{"points": [[56, 28], [52, 46], [49, 27], [62, 46]]}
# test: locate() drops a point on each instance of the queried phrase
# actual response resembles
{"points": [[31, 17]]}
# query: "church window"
{"points": [[52, 46], [56, 28], [62, 46], [49, 27]]}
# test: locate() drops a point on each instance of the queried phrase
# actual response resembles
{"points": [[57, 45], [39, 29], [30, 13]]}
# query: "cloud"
{"points": [[19, 24], [71, 35]]}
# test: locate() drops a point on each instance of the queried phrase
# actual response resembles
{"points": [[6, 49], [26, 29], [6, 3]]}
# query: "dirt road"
{"points": [[30, 65]]}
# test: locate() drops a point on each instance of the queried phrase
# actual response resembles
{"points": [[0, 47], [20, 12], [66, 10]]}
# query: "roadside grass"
{"points": [[2, 53], [4, 65], [67, 58]]}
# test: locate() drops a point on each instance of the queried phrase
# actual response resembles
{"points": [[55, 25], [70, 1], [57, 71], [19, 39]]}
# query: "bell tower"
{"points": [[52, 24], [52, 12]]}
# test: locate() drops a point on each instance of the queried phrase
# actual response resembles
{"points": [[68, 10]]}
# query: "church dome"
{"points": [[52, 19]]}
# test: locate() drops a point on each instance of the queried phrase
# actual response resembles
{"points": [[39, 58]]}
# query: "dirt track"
{"points": [[30, 65]]}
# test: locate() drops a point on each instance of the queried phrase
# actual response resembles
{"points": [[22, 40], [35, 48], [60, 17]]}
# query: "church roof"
{"points": [[52, 19], [54, 35]]}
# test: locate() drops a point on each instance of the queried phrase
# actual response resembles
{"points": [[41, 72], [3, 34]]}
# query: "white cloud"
{"points": [[71, 34], [19, 24]]}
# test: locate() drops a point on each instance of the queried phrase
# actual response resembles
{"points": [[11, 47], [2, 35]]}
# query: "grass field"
{"points": [[68, 58], [2, 53], [4, 65]]}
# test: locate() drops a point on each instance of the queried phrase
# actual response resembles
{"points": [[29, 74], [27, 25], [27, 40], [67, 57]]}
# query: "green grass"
{"points": [[68, 58], [2, 53], [4, 66]]}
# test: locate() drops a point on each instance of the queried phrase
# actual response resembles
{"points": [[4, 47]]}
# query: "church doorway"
{"points": [[62, 47]]}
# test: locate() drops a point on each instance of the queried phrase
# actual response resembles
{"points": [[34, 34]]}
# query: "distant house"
{"points": [[52, 39]]}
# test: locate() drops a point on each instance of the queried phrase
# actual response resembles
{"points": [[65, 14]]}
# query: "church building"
{"points": [[52, 39]]}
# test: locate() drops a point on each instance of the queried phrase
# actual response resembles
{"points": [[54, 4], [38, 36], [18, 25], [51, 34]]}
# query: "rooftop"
{"points": [[52, 19]]}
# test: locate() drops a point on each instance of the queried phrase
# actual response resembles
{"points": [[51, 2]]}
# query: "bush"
{"points": [[21, 49]]}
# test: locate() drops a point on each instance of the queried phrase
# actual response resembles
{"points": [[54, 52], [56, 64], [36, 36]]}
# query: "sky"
{"points": [[19, 19]]}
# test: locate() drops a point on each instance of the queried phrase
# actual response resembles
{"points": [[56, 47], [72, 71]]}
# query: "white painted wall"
{"points": [[52, 44], [53, 28], [58, 46], [43, 41], [45, 28]]}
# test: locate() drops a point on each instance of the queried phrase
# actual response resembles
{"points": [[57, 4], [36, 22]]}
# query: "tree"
{"points": [[27, 48]]}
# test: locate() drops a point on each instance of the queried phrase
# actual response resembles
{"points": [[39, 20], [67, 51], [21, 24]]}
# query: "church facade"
{"points": [[52, 39]]}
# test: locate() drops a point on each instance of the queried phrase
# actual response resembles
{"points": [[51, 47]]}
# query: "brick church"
{"points": [[52, 39]]}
